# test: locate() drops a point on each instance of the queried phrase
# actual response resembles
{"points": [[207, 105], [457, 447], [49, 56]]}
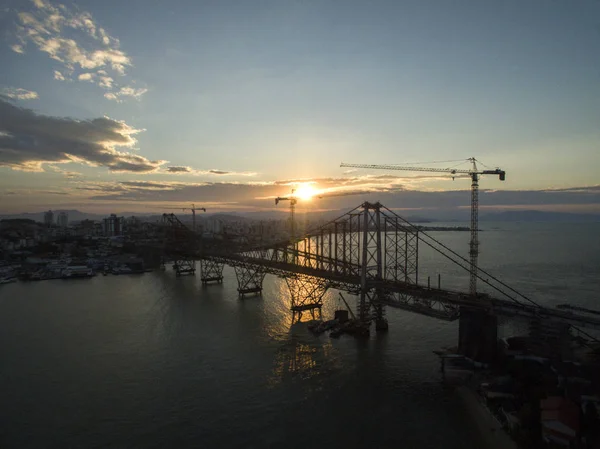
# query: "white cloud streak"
{"points": [[74, 39], [17, 93], [185, 170], [125, 92]]}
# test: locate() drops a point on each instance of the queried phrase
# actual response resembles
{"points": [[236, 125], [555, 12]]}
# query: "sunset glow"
{"points": [[305, 192]]}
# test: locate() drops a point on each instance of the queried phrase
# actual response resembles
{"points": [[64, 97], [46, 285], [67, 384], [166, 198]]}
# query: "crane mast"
{"points": [[474, 242], [474, 174], [194, 209], [293, 200]]}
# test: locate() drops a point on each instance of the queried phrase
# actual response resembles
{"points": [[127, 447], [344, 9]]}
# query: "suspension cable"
{"points": [[465, 260]]}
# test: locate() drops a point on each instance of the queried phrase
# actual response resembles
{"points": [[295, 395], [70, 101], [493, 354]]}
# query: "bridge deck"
{"points": [[352, 284]]}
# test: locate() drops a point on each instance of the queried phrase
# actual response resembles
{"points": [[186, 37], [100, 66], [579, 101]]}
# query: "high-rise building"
{"points": [[49, 218], [113, 225], [62, 220], [213, 226]]}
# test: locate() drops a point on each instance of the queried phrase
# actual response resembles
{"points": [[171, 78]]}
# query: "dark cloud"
{"points": [[179, 169], [347, 194], [219, 172], [29, 139], [52, 192], [151, 185], [589, 189]]}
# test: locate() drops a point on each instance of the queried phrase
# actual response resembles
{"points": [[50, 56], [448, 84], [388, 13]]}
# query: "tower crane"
{"points": [[293, 200], [193, 209], [474, 174]]}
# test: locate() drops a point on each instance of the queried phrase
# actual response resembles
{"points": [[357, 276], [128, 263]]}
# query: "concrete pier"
{"points": [[477, 335]]}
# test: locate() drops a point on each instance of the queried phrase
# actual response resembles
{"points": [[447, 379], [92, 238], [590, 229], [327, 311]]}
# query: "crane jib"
{"points": [[474, 174], [452, 171]]}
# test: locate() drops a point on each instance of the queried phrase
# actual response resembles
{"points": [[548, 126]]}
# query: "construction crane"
{"points": [[193, 209], [474, 174], [293, 200]]}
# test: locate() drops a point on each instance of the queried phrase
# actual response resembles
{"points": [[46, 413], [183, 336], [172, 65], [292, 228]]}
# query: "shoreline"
{"points": [[490, 433]]}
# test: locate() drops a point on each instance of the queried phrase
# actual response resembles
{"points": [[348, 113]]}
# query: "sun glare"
{"points": [[305, 192]]}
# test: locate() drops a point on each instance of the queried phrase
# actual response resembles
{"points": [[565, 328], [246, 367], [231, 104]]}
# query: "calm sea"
{"points": [[155, 361]]}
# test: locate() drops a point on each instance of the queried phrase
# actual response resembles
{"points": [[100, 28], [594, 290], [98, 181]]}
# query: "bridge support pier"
{"points": [[477, 334], [211, 271], [184, 266], [381, 323], [306, 293], [249, 281]]}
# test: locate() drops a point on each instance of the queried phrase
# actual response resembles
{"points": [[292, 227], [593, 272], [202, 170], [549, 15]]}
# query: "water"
{"points": [[154, 361]]}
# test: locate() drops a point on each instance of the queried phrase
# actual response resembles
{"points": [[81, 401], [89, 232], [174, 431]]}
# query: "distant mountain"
{"points": [[429, 216], [539, 216], [74, 215]]}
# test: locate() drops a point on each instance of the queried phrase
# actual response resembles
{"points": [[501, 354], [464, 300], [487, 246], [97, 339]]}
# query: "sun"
{"points": [[305, 192]]}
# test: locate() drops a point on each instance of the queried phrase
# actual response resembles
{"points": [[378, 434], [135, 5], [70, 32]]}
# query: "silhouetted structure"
{"points": [[113, 225], [49, 218]]}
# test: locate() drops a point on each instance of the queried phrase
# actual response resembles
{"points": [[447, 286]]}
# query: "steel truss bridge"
{"points": [[370, 252]]}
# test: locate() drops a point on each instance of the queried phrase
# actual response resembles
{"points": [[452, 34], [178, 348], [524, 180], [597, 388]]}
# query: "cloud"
{"points": [[338, 196], [105, 81], [127, 91], [594, 190], [16, 93], [252, 194], [178, 170], [73, 39], [52, 192], [28, 140], [67, 174], [86, 77], [225, 173]]}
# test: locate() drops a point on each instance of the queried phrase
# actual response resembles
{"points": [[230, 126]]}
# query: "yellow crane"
{"points": [[474, 174]]}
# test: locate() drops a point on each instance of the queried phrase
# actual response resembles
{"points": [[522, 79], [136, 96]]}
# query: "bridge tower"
{"points": [[371, 267], [178, 236], [368, 244]]}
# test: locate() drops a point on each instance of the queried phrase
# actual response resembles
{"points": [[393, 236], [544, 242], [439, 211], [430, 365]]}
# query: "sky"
{"points": [[139, 105]]}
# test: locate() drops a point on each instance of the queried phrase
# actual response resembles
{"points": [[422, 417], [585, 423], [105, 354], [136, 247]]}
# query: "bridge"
{"points": [[370, 252]]}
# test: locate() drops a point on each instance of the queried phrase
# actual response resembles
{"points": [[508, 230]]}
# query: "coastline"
{"points": [[490, 432]]}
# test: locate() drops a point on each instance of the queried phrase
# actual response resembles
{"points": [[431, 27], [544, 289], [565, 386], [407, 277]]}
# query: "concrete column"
{"points": [[477, 335]]}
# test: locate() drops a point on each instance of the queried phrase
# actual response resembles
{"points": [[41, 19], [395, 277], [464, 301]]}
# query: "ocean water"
{"points": [[155, 361]]}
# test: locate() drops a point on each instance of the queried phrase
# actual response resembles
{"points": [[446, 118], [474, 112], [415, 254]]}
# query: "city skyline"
{"points": [[229, 107]]}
